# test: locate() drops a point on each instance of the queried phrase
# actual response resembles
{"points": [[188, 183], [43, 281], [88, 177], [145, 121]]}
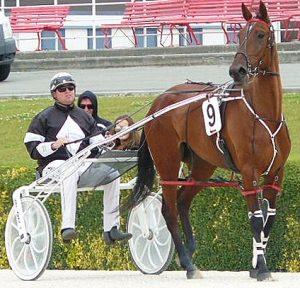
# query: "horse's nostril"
{"points": [[242, 71], [238, 73]]}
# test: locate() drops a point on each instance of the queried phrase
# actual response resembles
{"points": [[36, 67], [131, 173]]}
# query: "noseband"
{"points": [[257, 70]]}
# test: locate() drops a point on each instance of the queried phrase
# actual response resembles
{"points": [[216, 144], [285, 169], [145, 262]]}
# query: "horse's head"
{"points": [[256, 39]]}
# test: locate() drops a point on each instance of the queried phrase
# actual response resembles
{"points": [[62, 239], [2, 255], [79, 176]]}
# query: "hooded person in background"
{"points": [[111, 196], [88, 101]]}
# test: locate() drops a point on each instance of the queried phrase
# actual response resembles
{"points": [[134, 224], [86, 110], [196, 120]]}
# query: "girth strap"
{"points": [[227, 156]]}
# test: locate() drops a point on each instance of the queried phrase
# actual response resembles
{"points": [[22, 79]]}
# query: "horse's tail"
{"points": [[145, 177]]}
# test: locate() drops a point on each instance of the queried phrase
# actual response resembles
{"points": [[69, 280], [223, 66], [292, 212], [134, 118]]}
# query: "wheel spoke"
{"points": [[33, 258], [137, 239], [15, 242], [144, 250], [164, 243], [32, 221], [20, 254], [136, 225], [163, 227], [158, 251], [26, 258], [14, 225], [36, 249], [150, 257]]}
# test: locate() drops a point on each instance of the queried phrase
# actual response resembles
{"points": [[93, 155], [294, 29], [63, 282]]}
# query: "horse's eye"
{"points": [[260, 35]]}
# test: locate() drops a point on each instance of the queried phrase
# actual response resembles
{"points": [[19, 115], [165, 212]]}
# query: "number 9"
{"points": [[211, 115]]}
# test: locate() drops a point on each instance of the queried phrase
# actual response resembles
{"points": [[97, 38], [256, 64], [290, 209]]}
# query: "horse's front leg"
{"points": [[271, 189], [170, 213], [256, 218]]}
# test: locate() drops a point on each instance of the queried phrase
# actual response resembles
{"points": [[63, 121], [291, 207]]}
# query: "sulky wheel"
{"points": [[29, 260], [151, 245]]}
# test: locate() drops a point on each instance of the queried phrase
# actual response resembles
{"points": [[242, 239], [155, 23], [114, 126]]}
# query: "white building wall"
{"points": [[119, 39], [26, 41], [213, 36], [76, 39], [165, 40]]}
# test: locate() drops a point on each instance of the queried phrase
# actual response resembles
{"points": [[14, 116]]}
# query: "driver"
{"points": [[47, 136]]}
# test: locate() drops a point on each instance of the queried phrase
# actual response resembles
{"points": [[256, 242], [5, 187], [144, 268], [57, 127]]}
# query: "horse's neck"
{"points": [[265, 93]]}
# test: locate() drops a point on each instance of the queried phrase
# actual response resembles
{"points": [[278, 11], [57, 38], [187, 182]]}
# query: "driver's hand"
{"points": [[59, 142]]}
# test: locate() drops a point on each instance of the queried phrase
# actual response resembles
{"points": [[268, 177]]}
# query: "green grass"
{"points": [[16, 114], [291, 108]]}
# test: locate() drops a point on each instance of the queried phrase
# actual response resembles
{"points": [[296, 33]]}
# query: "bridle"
{"points": [[252, 72], [255, 71]]}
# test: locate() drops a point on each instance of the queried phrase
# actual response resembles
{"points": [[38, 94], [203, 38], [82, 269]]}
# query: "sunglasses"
{"points": [[88, 106], [64, 88]]}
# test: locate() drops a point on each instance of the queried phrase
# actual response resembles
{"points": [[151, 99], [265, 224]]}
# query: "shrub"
{"points": [[219, 218]]}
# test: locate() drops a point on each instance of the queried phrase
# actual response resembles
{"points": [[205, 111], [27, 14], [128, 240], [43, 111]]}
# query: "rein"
{"points": [[210, 87]]}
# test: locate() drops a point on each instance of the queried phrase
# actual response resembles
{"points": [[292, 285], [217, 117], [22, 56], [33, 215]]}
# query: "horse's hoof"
{"points": [[253, 273], [264, 276], [194, 274]]}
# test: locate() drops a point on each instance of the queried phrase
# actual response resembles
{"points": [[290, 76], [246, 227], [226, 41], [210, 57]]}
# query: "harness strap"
{"points": [[273, 186], [263, 123], [250, 192], [272, 135]]}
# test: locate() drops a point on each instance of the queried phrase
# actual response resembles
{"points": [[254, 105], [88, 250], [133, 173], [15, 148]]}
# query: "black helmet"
{"points": [[60, 79]]}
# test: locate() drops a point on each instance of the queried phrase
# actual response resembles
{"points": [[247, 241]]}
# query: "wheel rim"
{"points": [[28, 260], [152, 253]]}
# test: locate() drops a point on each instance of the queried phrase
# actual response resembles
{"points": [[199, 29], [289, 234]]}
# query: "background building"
{"points": [[82, 28]]}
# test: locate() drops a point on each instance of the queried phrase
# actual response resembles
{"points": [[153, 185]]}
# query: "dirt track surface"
{"points": [[135, 279]]}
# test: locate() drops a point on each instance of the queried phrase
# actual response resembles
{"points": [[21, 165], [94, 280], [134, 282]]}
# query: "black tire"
{"points": [[4, 71]]}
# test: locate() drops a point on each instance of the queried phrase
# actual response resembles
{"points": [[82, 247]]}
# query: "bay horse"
{"points": [[253, 129]]}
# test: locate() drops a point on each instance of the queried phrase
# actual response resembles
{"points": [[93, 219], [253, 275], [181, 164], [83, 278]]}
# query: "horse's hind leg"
{"points": [[167, 158], [184, 201], [201, 171], [169, 210]]}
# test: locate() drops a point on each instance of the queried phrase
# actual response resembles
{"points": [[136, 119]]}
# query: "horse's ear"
{"points": [[246, 13], [263, 13]]}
